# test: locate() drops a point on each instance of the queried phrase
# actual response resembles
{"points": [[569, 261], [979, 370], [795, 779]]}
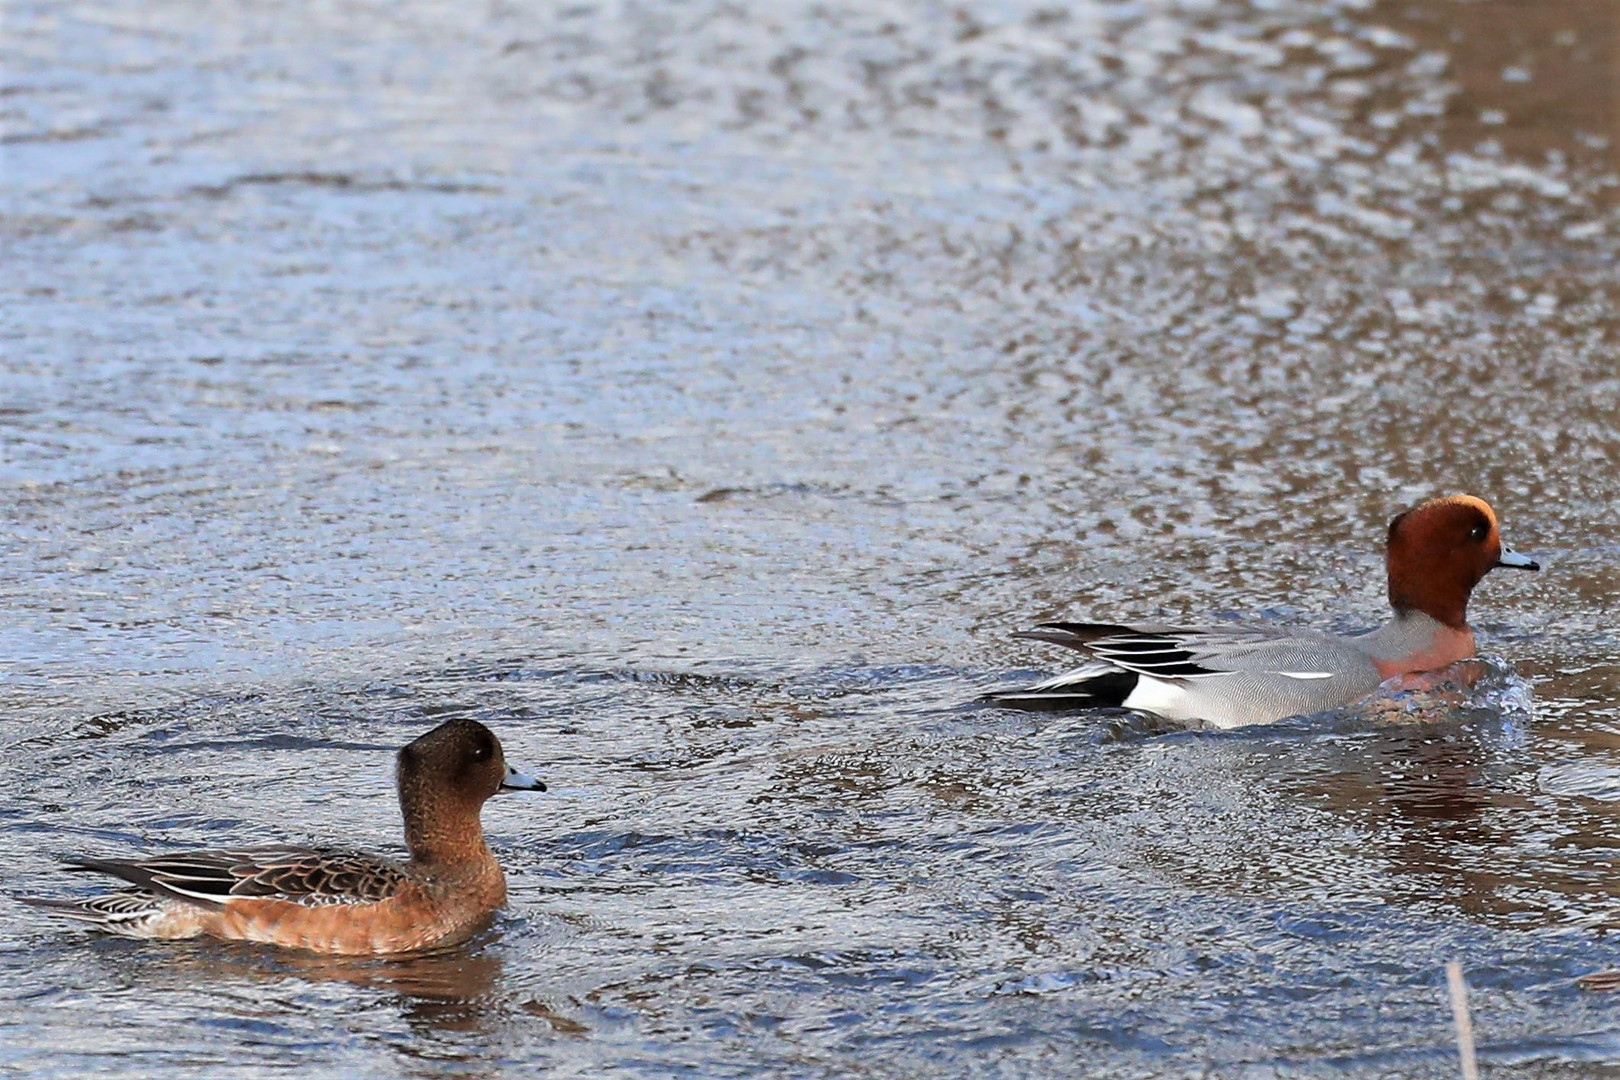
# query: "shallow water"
{"points": [[699, 396]]}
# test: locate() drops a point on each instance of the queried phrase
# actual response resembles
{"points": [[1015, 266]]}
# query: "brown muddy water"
{"points": [[699, 394]]}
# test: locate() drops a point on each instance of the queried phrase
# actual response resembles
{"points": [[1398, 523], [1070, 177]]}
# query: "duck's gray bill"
{"points": [[517, 781], [1514, 560]]}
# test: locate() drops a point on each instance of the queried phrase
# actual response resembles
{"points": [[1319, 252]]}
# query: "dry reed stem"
{"points": [[1465, 1025]]}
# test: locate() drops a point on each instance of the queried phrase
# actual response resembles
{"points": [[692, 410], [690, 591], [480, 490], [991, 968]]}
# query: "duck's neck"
{"points": [[446, 840], [1439, 592]]}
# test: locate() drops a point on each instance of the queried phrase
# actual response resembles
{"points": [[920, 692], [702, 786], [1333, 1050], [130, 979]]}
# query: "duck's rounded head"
{"points": [[444, 777], [1439, 550]]}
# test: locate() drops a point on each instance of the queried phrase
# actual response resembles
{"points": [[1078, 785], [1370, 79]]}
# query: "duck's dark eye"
{"points": [[1479, 532], [481, 752]]}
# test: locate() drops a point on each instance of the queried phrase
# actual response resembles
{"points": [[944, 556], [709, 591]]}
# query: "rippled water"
{"points": [[699, 394]]}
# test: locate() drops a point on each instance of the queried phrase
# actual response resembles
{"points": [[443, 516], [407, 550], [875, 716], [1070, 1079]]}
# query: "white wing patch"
{"points": [[1304, 674]]}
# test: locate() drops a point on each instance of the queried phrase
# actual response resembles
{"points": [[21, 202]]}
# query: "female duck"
{"points": [[335, 900]]}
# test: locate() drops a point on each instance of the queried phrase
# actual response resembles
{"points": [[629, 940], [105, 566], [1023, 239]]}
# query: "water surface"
{"points": [[699, 396]]}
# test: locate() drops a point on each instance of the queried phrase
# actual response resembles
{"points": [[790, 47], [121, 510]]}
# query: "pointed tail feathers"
{"points": [[1093, 685], [128, 913]]}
